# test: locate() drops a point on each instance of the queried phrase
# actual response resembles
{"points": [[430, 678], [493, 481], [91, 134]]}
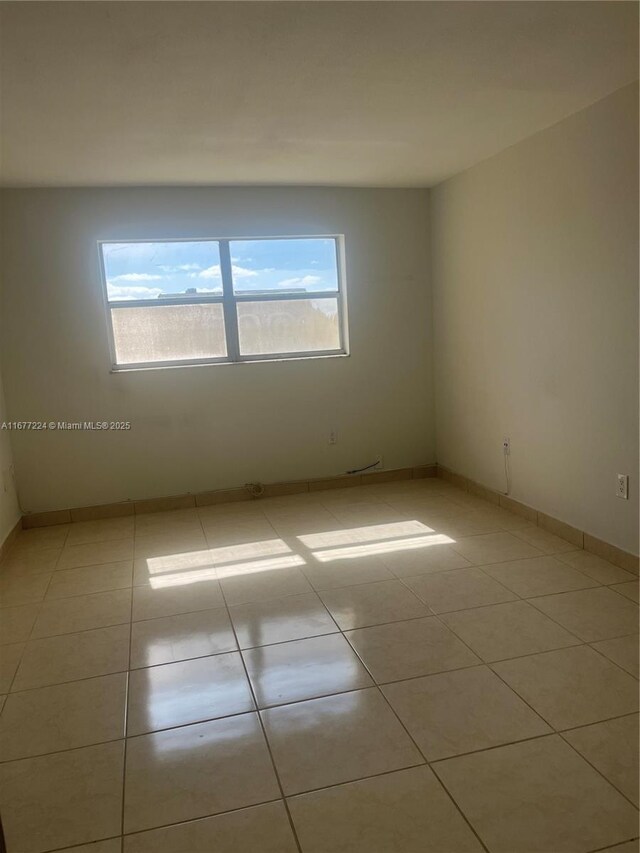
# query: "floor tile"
{"points": [[58, 800], [630, 589], [187, 692], [464, 711], [170, 569], [537, 795], [408, 649], [174, 521], [16, 623], [258, 586], [83, 612], [372, 604], [336, 739], [406, 811], [196, 771], [29, 589], [96, 553], [90, 579], [463, 524], [494, 548], [21, 563], [508, 630], [591, 614], [507, 520], [458, 590], [112, 845], [169, 544], [304, 669], [629, 847], [174, 638], [247, 551], [346, 572], [10, 657], [544, 541], [623, 651], [360, 514], [65, 716], [151, 602], [571, 687], [612, 748], [100, 530], [220, 537], [424, 561], [595, 567], [70, 657], [262, 828], [40, 538], [278, 620], [538, 576]]}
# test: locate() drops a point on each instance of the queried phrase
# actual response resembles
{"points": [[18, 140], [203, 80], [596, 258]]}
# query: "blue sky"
{"points": [[147, 270]]}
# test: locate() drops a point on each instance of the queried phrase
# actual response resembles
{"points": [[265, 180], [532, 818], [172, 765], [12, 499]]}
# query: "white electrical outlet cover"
{"points": [[623, 486]]}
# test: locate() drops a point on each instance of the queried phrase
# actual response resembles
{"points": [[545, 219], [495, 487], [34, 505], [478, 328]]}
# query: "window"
{"points": [[207, 301]]}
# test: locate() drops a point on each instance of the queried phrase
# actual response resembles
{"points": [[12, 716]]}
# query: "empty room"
{"points": [[319, 426]]}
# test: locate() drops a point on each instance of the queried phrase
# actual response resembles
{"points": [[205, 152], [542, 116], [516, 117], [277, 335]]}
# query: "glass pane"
{"points": [[287, 266], [294, 325], [152, 270], [168, 333]]}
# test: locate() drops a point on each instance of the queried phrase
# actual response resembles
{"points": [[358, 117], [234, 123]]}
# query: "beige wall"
{"points": [[535, 276], [199, 428], [9, 510]]}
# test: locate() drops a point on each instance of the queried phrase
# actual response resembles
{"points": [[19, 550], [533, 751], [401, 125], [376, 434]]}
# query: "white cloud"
{"points": [[209, 272], [180, 267], [303, 281], [136, 276], [132, 291], [238, 272]]}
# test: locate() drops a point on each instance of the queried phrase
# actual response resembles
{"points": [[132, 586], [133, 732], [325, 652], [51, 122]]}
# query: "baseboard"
{"points": [[579, 538], [10, 539], [139, 507]]}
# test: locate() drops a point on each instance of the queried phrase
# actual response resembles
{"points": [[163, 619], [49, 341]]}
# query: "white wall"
{"points": [[9, 510], [199, 428], [535, 277]]}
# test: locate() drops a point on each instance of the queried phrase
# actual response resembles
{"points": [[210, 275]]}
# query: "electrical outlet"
{"points": [[333, 436], [623, 487], [506, 446]]}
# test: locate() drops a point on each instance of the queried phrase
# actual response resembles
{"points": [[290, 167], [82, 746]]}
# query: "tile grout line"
{"points": [[343, 632], [26, 642], [430, 615], [420, 752], [562, 733], [533, 710], [257, 709], [261, 723], [616, 846], [126, 703]]}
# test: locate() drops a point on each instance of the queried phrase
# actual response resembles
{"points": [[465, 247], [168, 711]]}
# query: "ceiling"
{"points": [[344, 93]]}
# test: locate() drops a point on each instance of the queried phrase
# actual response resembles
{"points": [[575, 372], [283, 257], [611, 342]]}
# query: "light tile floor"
{"points": [[393, 668]]}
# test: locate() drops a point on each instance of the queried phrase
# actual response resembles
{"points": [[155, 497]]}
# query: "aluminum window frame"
{"points": [[229, 301]]}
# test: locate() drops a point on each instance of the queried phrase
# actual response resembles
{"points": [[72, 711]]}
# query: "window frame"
{"points": [[229, 301]]}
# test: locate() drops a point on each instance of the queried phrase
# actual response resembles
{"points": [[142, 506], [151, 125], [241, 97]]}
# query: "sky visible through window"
{"points": [[152, 270]]}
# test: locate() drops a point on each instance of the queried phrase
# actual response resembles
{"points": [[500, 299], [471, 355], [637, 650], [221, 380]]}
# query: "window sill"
{"points": [[178, 365]]}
